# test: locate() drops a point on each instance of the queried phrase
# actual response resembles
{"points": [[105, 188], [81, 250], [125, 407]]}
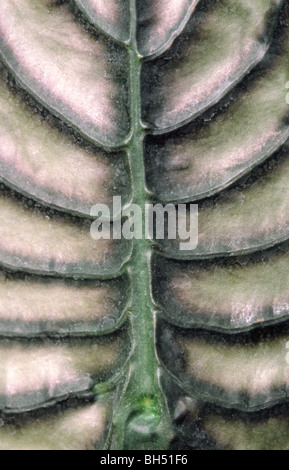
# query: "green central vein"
{"points": [[142, 311], [142, 420]]}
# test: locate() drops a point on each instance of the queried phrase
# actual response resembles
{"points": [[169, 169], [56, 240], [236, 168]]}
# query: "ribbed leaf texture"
{"points": [[119, 344]]}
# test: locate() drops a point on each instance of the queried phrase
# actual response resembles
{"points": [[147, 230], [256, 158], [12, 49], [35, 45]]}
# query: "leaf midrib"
{"points": [[144, 367]]}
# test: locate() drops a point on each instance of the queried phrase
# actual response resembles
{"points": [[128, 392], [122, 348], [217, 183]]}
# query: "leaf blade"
{"points": [[111, 17], [175, 91], [42, 74]]}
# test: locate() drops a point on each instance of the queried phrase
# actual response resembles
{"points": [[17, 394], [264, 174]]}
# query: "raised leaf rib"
{"points": [[35, 373], [40, 161], [239, 433], [246, 375], [39, 243], [31, 306], [207, 156], [159, 23], [90, 91], [110, 16], [244, 220], [83, 428], [207, 61], [228, 297]]}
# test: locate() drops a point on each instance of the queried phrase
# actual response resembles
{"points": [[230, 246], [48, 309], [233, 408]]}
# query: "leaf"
{"points": [[246, 212], [265, 434], [224, 55], [230, 298], [31, 306], [213, 368], [238, 431], [50, 33], [62, 370], [80, 429], [206, 157], [160, 23], [136, 344], [50, 245], [29, 161], [111, 16]]}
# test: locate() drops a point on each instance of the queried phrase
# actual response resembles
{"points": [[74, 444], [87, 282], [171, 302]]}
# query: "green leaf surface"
{"points": [[207, 61], [242, 220], [110, 16], [230, 298], [237, 434], [214, 428], [80, 428], [89, 92], [42, 371], [159, 23], [209, 156], [34, 306], [30, 163], [39, 243], [247, 375]]}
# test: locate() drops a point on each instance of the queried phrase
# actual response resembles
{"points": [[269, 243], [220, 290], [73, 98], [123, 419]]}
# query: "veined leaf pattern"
{"points": [[135, 344]]}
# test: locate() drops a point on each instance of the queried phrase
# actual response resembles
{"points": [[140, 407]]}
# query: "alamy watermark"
{"points": [[154, 221]]}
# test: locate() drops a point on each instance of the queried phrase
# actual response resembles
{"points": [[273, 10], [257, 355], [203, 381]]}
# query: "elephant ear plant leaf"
{"points": [[118, 343]]}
